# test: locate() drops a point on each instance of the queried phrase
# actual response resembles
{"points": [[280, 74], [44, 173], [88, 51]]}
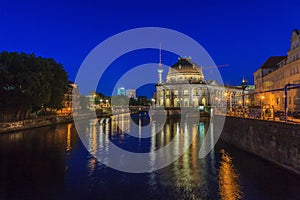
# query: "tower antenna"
{"points": [[160, 61], [160, 69]]}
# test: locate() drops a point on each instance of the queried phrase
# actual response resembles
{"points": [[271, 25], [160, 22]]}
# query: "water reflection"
{"points": [[52, 163], [68, 146], [229, 187]]}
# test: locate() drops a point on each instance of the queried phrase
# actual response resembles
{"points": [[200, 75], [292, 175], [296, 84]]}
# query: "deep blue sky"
{"points": [[242, 34]]}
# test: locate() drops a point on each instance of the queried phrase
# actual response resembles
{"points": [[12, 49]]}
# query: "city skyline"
{"points": [[150, 99], [229, 32]]}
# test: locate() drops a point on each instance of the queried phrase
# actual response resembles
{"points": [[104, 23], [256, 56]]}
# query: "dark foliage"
{"points": [[29, 83]]}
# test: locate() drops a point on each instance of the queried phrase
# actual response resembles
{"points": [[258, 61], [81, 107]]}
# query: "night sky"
{"points": [[242, 34]]}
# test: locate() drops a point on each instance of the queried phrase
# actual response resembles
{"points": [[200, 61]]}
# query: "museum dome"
{"points": [[185, 70]]}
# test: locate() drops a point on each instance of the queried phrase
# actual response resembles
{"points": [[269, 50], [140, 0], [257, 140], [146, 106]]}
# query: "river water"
{"points": [[52, 163]]}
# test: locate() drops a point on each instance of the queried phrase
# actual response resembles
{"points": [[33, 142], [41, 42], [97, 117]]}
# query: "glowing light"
{"points": [[229, 188], [69, 147]]}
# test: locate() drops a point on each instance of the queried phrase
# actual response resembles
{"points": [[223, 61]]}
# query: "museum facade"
{"points": [[185, 86]]}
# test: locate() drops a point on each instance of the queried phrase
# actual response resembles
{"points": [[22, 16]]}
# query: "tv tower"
{"points": [[160, 69]]}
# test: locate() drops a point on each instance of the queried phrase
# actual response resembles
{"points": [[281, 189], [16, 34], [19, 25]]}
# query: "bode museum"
{"points": [[185, 86]]}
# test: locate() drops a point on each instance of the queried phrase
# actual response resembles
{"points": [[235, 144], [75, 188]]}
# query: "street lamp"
{"points": [[230, 101], [247, 102], [226, 100], [240, 103], [261, 105], [244, 86]]}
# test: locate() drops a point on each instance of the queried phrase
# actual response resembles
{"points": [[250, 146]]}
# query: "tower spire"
{"points": [[160, 61], [243, 80], [160, 69]]}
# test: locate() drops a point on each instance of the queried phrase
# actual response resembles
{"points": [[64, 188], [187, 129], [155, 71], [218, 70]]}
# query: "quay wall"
{"points": [[6, 127], [278, 142]]}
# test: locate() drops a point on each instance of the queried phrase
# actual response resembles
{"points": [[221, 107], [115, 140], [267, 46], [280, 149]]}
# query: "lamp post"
{"points": [[261, 106], [247, 102], [244, 86], [226, 100]]}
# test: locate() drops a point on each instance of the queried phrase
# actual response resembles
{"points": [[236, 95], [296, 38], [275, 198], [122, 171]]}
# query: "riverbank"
{"points": [[6, 127], [277, 142]]}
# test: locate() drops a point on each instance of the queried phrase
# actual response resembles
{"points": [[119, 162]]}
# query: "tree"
{"points": [[28, 83], [132, 102], [59, 84]]}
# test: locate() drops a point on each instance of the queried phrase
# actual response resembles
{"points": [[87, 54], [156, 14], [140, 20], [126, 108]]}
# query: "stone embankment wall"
{"points": [[278, 142], [33, 123]]}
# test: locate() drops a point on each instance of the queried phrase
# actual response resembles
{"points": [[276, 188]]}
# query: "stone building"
{"points": [[131, 93], [186, 86], [275, 74], [67, 100]]}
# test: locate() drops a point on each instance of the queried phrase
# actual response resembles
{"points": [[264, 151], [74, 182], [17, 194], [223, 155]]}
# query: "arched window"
{"points": [[176, 102], [203, 101]]}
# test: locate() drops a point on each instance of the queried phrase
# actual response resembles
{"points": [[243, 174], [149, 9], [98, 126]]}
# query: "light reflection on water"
{"points": [[229, 186], [185, 174], [52, 163]]}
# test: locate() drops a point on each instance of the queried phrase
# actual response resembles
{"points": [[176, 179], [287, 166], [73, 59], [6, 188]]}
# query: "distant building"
{"points": [[131, 93], [185, 86], [72, 92], [121, 91], [275, 73]]}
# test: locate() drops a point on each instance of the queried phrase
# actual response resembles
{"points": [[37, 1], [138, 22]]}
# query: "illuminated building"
{"points": [[131, 93], [121, 91], [67, 100], [275, 73], [186, 86]]}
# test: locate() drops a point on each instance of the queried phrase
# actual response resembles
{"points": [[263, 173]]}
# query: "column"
{"points": [[191, 104], [157, 98], [230, 101], [164, 98], [172, 98]]}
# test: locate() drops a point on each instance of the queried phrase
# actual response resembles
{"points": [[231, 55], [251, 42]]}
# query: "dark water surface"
{"points": [[52, 163]]}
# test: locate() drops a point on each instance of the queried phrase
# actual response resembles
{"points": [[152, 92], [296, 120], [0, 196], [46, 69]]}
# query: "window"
{"points": [[296, 100], [196, 92], [185, 92]]}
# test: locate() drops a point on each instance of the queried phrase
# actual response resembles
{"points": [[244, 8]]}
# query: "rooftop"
{"points": [[296, 31], [186, 65], [272, 62]]}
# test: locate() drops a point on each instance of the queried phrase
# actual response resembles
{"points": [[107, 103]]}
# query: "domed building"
{"points": [[186, 86], [185, 70]]}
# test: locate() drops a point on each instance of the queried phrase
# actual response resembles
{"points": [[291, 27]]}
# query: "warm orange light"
{"points": [[262, 97], [229, 186], [68, 147]]}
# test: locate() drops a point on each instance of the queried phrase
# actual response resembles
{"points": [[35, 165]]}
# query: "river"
{"points": [[52, 163]]}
